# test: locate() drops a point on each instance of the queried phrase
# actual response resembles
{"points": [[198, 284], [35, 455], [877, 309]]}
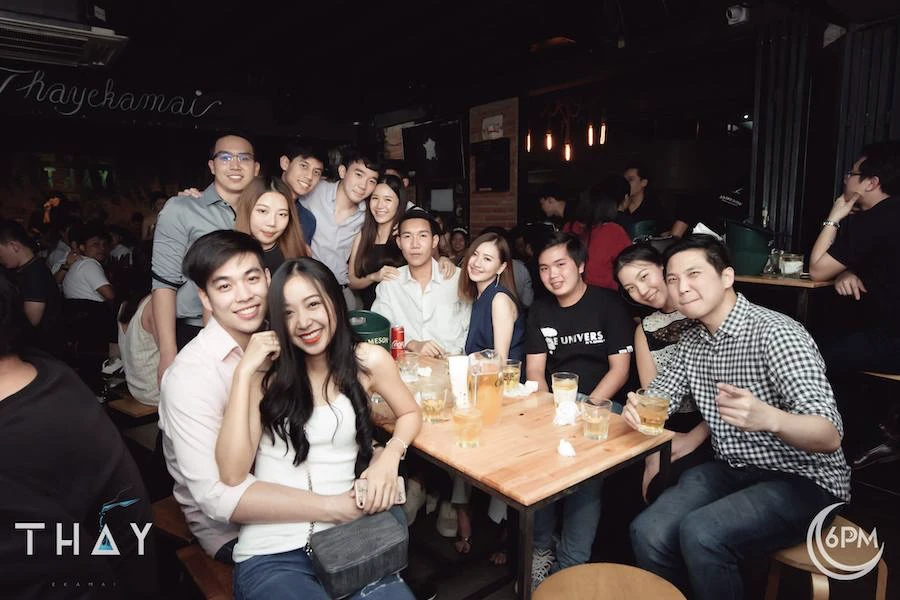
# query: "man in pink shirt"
{"points": [[227, 267]]}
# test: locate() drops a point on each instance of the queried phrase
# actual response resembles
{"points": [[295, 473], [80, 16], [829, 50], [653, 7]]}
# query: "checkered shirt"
{"points": [[775, 358]]}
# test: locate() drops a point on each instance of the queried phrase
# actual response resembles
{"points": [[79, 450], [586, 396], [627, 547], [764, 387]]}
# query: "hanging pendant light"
{"points": [[528, 141], [602, 140], [567, 151], [590, 134], [549, 140]]}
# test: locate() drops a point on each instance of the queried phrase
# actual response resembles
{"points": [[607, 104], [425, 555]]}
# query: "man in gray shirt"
{"points": [[176, 306], [340, 208]]}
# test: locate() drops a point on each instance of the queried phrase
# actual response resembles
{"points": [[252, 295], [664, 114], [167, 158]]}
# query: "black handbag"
{"points": [[349, 556]]}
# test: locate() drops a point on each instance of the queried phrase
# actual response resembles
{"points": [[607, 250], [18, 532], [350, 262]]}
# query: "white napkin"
{"points": [[566, 413], [522, 390], [701, 228], [565, 448]]}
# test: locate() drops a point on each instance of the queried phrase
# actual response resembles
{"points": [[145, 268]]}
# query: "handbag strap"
{"points": [[312, 524]]}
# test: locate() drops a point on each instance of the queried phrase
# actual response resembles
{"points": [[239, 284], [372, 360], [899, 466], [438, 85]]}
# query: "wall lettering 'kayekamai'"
{"points": [[69, 99]]}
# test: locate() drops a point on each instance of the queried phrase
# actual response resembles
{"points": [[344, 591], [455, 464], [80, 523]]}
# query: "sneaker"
{"points": [[541, 561], [447, 520], [415, 498], [431, 503], [422, 590]]}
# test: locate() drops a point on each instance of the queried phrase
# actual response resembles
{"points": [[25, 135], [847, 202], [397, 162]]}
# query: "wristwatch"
{"points": [[834, 224]]}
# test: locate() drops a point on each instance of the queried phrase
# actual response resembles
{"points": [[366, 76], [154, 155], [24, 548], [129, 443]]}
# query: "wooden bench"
{"points": [[130, 407], [169, 519], [212, 578]]}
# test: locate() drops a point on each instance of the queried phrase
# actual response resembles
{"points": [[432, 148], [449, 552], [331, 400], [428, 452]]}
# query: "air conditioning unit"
{"points": [[31, 39]]}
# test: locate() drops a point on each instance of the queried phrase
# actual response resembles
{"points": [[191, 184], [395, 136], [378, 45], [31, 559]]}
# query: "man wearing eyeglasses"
{"points": [[859, 247], [176, 306]]}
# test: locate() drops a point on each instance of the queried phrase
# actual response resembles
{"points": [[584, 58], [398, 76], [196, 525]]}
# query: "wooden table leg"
{"points": [[665, 461], [802, 305], [526, 549]]}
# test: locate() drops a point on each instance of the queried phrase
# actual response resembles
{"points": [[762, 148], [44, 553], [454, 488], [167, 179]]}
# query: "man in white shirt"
{"points": [[86, 279], [227, 267], [420, 299]]}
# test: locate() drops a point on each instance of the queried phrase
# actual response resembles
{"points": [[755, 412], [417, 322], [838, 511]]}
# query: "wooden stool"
{"points": [[606, 581], [130, 407], [798, 558], [169, 519], [213, 578]]}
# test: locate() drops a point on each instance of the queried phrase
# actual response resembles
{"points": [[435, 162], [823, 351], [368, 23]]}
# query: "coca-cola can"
{"points": [[397, 341]]}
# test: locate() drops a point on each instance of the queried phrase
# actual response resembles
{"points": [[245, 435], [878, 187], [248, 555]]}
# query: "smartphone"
{"points": [[360, 486]]}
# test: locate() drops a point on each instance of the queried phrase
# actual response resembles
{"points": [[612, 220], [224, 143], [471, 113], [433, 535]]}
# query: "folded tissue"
{"points": [[565, 448], [566, 413]]}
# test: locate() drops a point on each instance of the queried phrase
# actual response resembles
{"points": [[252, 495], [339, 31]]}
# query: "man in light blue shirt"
{"points": [[340, 208]]}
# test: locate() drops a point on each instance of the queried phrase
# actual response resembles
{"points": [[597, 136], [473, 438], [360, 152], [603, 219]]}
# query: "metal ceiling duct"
{"points": [[30, 39]]}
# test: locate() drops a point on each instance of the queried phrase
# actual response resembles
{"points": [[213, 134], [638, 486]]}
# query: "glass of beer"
{"points": [[408, 364], [565, 387], [467, 426], [512, 373], [485, 383], [653, 411], [433, 399], [595, 418]]}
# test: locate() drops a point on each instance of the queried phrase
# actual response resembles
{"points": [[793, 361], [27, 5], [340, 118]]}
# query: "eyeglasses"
{"points": [[849, 174], [226, 157]]}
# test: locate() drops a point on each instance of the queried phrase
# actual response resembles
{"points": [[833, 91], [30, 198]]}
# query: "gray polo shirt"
{"points": [[178, 226], [333, 241]]}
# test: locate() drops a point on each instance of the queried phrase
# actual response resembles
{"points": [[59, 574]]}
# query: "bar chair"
{"points": [[798, 558], [606, 581]]}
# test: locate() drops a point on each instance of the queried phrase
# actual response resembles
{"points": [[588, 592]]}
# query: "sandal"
{"points": [[462, 544]]}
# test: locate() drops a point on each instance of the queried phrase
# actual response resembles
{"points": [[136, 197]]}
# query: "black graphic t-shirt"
{"points": [[580, 338], [63, 462]]}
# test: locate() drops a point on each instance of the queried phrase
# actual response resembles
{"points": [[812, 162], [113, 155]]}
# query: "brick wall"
{"points": [[495, 208]]}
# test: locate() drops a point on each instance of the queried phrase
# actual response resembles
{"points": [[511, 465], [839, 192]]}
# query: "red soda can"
{"points": [[397, 341]]}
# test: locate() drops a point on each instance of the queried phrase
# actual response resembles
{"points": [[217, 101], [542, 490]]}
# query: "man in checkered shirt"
{"points": [[759, 382]]}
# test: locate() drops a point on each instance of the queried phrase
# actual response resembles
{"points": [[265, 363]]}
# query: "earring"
{"points": [[497, 281]]}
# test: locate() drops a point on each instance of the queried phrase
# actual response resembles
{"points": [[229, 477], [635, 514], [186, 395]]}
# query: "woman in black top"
{"points": [[375, 255], [265, 211]]}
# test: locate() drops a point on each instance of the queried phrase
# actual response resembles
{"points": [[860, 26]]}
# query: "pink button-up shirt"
{"points": [[193, 396]]}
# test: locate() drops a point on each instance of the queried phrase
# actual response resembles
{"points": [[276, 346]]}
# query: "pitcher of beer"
{"points": [[486, 384]]}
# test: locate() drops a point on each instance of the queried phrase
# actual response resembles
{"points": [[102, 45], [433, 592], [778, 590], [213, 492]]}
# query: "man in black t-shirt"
{"points": [[42, 301], [859, 247], [584, 330], [75, 519]]}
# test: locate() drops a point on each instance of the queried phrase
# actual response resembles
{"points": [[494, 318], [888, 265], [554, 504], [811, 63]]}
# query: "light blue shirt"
{"points": [[333, 241]]}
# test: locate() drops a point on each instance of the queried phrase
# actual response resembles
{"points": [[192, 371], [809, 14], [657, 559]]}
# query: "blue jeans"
{"points": [[581, 515], [291, 575], [697, 532]]}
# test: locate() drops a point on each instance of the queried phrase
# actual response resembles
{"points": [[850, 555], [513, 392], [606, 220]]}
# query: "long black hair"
{"points": [[287, 402], [366, 260]]}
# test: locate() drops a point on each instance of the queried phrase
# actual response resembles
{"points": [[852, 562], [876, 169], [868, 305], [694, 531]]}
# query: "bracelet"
{"points": [[402, 443], [834, 224]]}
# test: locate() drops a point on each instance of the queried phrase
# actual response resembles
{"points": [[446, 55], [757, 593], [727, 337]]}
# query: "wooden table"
{"points": [[517, 460], [803, 286]]}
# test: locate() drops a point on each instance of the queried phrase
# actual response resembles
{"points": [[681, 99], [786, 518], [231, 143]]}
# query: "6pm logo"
{"points": [[837, 539]]}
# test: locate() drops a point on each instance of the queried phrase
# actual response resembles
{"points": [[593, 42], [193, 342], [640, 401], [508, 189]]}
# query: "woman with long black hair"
{"points": [[299, 409]]}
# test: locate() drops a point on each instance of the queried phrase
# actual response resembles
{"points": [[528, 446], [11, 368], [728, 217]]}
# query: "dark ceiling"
{"points": [[351, 60]]}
